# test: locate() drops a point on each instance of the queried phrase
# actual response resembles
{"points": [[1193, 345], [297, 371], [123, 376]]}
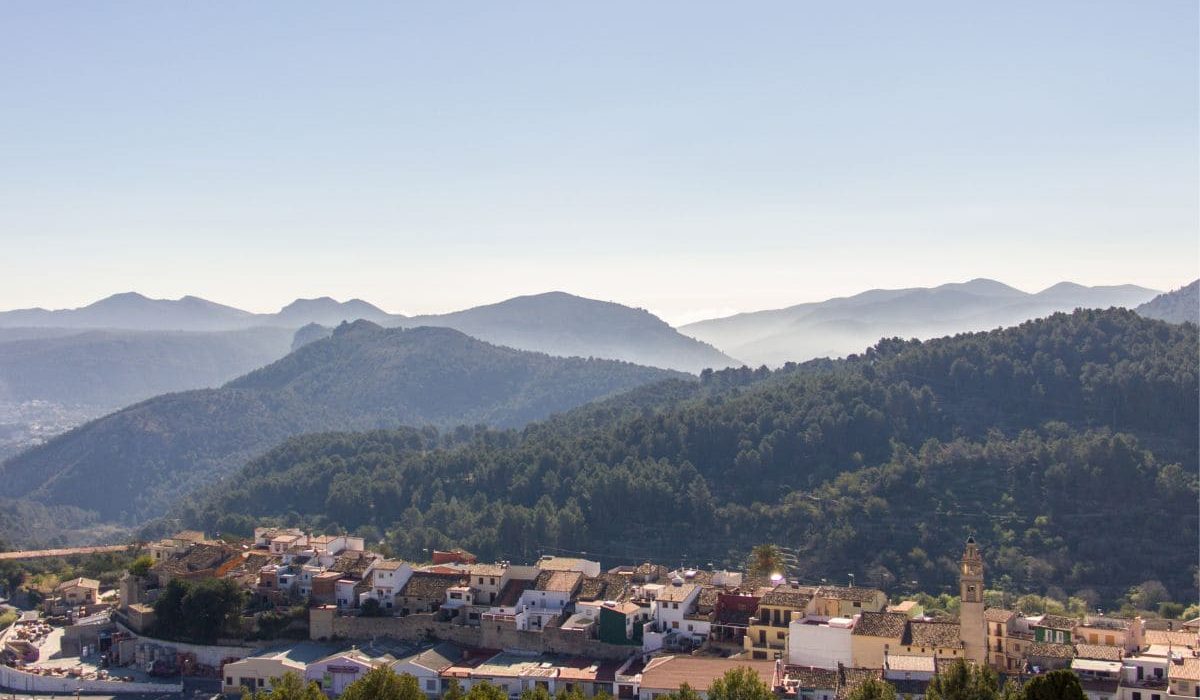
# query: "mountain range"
{"points": [[132, 464], [555, 323], [844, 325], [1178, 306]]}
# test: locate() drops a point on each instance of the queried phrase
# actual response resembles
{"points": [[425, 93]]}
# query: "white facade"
{"points": [[335, 672], [387, 580], [820, 642]]}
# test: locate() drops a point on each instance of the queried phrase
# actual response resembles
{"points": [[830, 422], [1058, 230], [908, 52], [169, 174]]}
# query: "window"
{"points": [[431, 684], [261, 682], [780, 635], [228, 680], [857, 604], [1137, 695], [675, 624], [1158, 673]]}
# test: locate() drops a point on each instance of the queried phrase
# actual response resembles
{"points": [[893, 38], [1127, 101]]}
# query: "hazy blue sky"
{"points": [[690, 158]]}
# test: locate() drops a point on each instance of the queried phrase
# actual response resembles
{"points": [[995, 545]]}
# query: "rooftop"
{"points": [[787, 595], [1171, 638], [437, 659], [423, 584], [1058, 622], [873, 624], [917, 664], [677, 594], [998, 615], [1187, 669], [556, 581], [668, 672], [850, 593], [934, 634], [1098, 651]]}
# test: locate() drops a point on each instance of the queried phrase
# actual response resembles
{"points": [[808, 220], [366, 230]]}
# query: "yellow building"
{"points": [[876, 635], [767, 633], [847, 601]]}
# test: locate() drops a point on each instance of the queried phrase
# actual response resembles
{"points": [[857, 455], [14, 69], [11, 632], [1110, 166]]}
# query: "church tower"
{"points": [[970, 616]]}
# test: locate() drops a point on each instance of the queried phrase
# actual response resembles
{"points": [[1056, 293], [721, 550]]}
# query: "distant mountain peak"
{"points": [[985, 286]]}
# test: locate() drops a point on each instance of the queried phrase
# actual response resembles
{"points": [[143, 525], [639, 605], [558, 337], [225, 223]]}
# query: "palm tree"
{"points": [[765, 559]]}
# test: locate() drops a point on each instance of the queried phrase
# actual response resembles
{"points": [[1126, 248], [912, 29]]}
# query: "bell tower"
{"points": [[970, 616]]}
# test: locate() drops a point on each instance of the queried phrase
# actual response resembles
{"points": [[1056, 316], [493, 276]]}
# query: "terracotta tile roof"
{"points": [[809, 678], [1058, 622], [881, 624], [1051, 651], [998, 615], [604, 587], [352, 564], [1186, 670], [199, 557], [1170, 638], [855, 594], [851, 678], [486, 570], [933, 634], [429, 586], [389, 565], [677, 594], [557, 581], [784, 595], [80, 582], [668, 672], [1100, 652]]}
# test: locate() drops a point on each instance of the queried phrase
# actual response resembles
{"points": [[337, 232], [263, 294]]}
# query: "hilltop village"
{"points": [[558, 623]]}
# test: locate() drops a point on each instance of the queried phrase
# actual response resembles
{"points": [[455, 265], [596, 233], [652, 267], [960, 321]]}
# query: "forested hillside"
{"points": [[134, 463], [1177, 306], [1056, 442]]}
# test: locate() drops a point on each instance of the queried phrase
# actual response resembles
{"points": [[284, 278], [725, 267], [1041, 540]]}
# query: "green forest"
{"points": [[1059, 443]]}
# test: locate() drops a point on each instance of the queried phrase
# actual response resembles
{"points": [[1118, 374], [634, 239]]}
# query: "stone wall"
{"points": [[14, 679], [325, 623]]}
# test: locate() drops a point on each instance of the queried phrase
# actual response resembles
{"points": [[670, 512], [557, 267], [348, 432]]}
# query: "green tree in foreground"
{"points": [[873, 689], [685, 692], [740, 684], [288, 687], [381, 683], [1055, 685], [765, 559], [454, 691], [486, 691], [963, 681]]}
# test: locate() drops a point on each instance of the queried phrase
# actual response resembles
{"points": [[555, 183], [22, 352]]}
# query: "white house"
{"points": [[548, 597], [388, 577], [820, 642]]}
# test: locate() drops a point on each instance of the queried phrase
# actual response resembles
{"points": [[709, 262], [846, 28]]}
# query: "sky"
{"points": [[691, 158]]}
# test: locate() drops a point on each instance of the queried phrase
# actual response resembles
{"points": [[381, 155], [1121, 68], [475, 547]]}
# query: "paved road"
{"points": [[70, 551]]}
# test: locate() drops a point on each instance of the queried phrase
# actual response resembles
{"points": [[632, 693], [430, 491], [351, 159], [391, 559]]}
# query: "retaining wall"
{"points": [[327, 624], [16, 679]]}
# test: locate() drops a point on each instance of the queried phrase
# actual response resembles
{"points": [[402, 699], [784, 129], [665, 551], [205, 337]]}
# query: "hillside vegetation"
{"points": [[134, 463], [1177, 306], [1056, 442]]}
